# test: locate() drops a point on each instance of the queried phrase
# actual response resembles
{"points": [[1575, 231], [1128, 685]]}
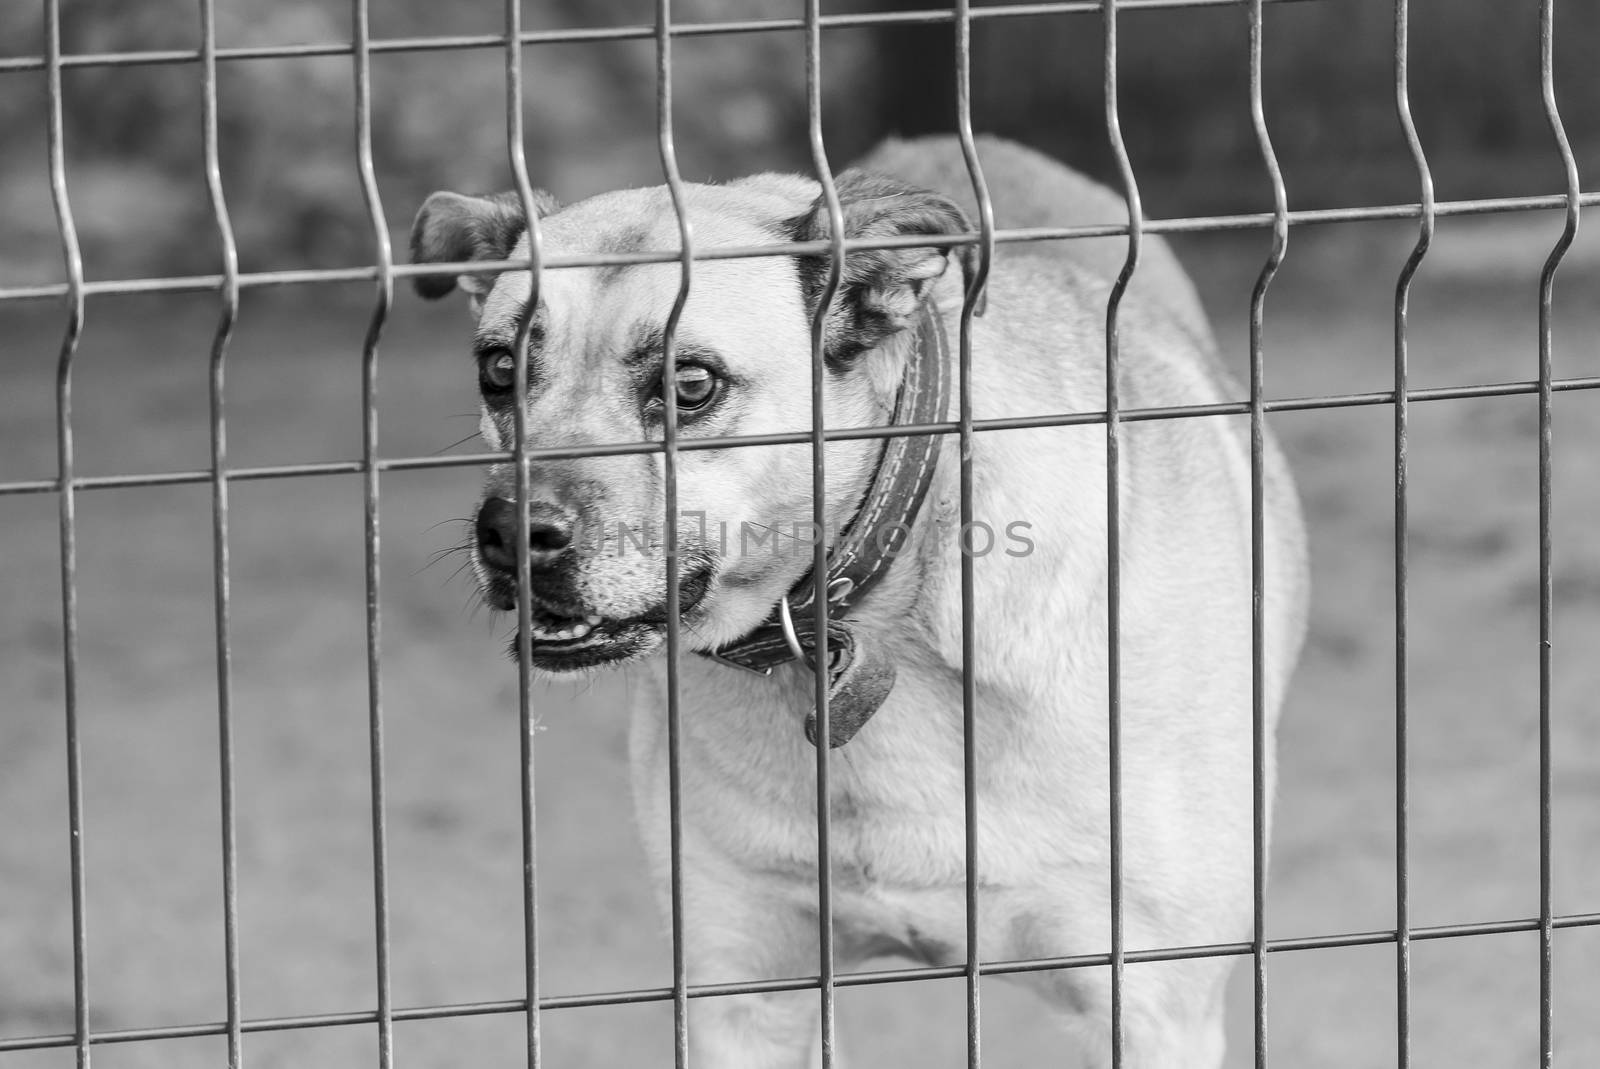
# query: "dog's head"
{"points": [[743, 367]]}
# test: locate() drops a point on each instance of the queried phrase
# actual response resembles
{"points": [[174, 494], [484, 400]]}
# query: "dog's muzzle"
{"points": [[564, 633]]}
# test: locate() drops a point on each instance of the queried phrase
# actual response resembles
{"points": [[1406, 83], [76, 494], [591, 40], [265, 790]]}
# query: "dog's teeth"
{"points": [[592, 621], [548, 627], [550, 633]]}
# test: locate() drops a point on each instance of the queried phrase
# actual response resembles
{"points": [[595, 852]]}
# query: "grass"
{"points": [[148, 694]]}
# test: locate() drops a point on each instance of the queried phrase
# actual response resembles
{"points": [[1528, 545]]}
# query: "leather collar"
{"points": [[860, 673]]}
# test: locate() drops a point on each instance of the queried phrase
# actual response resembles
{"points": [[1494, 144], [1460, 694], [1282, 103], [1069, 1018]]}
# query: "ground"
{"points": [[147, 693]]}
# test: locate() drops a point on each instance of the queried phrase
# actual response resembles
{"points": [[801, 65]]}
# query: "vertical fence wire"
{"points": [[228, 316], [1402, 414], [1547, 279], [67, 519], [669, 474], [361, 27], [969, 697], [1130, 190], [1261, 743], [819, 518], [519, 433]]}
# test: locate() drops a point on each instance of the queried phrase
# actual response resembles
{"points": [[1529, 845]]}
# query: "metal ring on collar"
{"points": [[786, 619]]}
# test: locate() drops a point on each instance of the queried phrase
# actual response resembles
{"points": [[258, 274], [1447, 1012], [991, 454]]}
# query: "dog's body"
{"points": [[1039, 613]]}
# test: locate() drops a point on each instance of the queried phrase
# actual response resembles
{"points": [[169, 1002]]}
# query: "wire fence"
{"points": [[382, 275]]}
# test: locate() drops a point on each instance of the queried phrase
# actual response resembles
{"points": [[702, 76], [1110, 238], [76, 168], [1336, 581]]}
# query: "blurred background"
{"points": [[147, 683]]}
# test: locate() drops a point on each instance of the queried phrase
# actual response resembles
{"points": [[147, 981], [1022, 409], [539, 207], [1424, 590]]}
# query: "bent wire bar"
{"points": [[669, 442], [1402, 414], [1259, 741], [72, 254], [1547, 278], [361, 29], [382, 273], [517, 158], [1130, 192], [227, 317], [969, 686], [819, 517]]}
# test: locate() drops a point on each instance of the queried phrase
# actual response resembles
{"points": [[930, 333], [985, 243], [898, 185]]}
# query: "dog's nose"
{"points": [[549, 533]]}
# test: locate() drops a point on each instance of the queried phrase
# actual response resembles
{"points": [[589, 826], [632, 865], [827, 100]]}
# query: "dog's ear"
{"points": [[454, 228], [879, 289]]}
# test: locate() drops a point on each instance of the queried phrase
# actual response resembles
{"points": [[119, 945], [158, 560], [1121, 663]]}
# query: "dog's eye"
{"points": [[499, 371], [696, 387]]}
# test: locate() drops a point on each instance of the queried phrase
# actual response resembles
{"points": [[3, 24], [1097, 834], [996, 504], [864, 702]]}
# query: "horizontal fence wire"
{"points": [[1185, 225], [466, 42], [1345, 940], [1066, 419]]}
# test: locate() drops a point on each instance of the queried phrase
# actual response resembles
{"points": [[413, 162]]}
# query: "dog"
{"points": [[1039, 608]]}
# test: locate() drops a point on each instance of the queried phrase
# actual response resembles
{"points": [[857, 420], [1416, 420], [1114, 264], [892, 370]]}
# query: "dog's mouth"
{"points": [[567, 637], [559, 643]]}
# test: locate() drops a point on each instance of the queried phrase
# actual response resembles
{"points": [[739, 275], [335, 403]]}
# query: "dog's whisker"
{"points": [[460, 442], [443, 554], [463, 566], [440, 554]]}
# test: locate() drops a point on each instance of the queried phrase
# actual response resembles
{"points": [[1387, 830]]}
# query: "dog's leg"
{"points": [[1164, 1026], [1171, 1015], [731, 936], [1172, 1011], [775, 1030], [742, 920]]}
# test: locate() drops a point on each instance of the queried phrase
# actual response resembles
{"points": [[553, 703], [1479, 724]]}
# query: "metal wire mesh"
{"points": [[372, 464]]}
